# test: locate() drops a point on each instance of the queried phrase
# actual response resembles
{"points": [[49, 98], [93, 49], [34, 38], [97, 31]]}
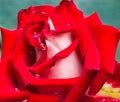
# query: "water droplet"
{"points": [[42, 46], [37, 75], [35, 33], [16, 89], [115, 100], [40, 41], [43, 13], [69, 24]]}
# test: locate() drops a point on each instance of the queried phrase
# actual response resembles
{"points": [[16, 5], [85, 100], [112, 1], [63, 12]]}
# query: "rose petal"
{"points": [[93, 19], [23, 47], [43, 98], [30, 15], [9, 38], [78, 91], [7, 85], [26, 80], [106, 38]]}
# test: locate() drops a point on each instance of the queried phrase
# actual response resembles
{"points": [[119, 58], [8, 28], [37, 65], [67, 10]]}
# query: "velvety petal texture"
{"points": [[56, 54]]}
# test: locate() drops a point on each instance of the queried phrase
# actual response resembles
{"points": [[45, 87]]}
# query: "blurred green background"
{"points": [[108, 10]]}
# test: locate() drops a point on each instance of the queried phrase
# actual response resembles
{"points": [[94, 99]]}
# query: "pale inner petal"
{"points": [[51, 24], [64, 68]]}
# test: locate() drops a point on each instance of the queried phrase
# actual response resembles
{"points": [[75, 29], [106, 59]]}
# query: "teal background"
{"points": [[108, 10]]}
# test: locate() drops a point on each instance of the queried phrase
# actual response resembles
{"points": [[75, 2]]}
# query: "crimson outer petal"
{"points": [[114, 80], [9, 39], [106, 38], [27, 16], [43, 98], [7, 85]]}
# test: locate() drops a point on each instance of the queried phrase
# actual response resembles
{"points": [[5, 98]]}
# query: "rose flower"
{"points": [[56, 54]]}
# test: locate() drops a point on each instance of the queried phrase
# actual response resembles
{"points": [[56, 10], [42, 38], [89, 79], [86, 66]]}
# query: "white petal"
{"points": [[51, 24]]}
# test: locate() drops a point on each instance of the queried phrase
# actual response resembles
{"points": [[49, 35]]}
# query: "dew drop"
{"points": [[104, 100], [43, 13], [42, 46], [37, 75], [25, 100], [16, 89]]}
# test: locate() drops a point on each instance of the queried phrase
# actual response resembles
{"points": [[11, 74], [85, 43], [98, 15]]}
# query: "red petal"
{"points": [[78, 91], [28, 78], [98, 82], [23, 47], [43, 98], [7, 85], [93, 19], [42, 85], [31, 15], [106, 38], [9, 38]]}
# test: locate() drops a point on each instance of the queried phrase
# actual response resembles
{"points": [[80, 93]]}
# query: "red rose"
{"points": [[56, 54]]}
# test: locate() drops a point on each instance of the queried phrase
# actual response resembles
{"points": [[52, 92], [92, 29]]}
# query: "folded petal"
{"points": [[106, 38]]}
